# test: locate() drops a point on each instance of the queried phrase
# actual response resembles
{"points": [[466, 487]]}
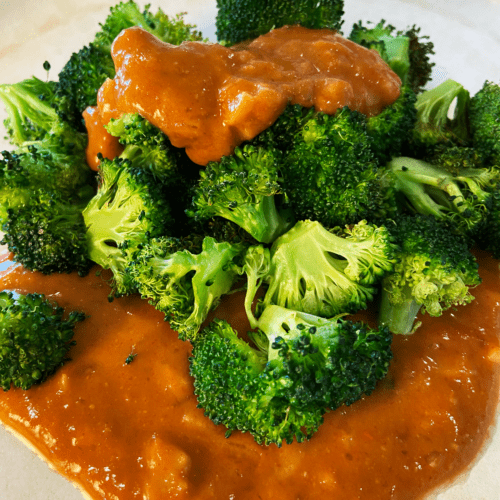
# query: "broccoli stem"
{"points": [[400, 317]]}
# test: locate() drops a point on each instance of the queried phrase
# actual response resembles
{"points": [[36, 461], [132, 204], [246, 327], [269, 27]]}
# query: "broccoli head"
{"points": [[330, 173], [316, 271], [241, 20], [128, 209], [302, 367], [243, 188], [406, 52], [47, 234], [461, 198], [434, 272], [484, 122], [185, 283], [35, 337]]}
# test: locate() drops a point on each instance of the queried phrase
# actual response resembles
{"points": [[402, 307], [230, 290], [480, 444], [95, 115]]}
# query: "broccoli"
{"points": [[47, 234], [130, 207], [318, 272], [330, 173], [243, 188], [461, 198], [87, 69], [241, 20], [390, 129], [406, 52], [34, 338], [434, 272], [434, 125], [184, 282], [484, 113], [304, 366]]}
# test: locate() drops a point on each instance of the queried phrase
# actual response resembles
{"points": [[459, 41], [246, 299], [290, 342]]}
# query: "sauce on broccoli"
{"points": [[209, 98]]}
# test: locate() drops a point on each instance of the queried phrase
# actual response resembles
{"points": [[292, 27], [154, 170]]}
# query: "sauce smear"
{"points": [[208, 98], [132, 431]]}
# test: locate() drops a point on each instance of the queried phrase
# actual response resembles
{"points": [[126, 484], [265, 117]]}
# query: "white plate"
{"points": [[467, 44]]}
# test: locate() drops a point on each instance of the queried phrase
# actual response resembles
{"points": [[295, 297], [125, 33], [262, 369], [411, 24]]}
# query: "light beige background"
{"points": [[466, 35]]}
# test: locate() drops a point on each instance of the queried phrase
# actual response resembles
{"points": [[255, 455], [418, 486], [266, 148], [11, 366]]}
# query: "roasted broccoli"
{"points": [[184, 281], [130, 207], [434, 272], [484, 117], [406, 52], [304, 365], [244, 189], [241, 20], [330, 173], [316, 271], [35, 336], [87, 69]]}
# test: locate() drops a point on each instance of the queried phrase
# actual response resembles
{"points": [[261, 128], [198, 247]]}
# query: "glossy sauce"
{"points": [[100, 140], [133, 431], [208, 98]]}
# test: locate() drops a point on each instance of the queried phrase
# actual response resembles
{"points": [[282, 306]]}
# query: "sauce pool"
{"points": [[132, 431]]}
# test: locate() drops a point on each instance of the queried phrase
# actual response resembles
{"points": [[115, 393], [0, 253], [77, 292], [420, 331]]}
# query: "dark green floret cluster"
{"points": [[35, 337], [302, 367], [241, 20], [316, 218]]}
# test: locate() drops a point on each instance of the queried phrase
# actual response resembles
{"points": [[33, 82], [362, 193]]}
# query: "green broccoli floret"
{"points": [[330, 173], [461, 198], [241, 20], [390, 129], [47, 234], [32, 119], [304, 366], [406, 52], [441, 118], [318, 272], [185, 283], [243, 188], [434, 272], [455, 159], [87, 69], [484, 122], [129, 208], [34, 338]]}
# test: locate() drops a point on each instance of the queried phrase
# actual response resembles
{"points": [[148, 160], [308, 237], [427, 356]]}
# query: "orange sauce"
{"points": [[100, 140], [134, 432], [208, 98]]}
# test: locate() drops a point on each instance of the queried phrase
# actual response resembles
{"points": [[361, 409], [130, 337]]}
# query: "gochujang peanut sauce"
{"points": [[209, 98], [132, 431]]}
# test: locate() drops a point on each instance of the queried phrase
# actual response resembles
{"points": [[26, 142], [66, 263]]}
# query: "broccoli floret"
{"points": [[129, 208], [304, 366], [406, 52], [185, 284], [460, 198], [87, 69], [241, 20], [330, 173], [243, 188], [34, 338], [391, 128], [318, 272], [47, 234], [434, 125], [484, 121], [434, 272], [455, 159]]}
